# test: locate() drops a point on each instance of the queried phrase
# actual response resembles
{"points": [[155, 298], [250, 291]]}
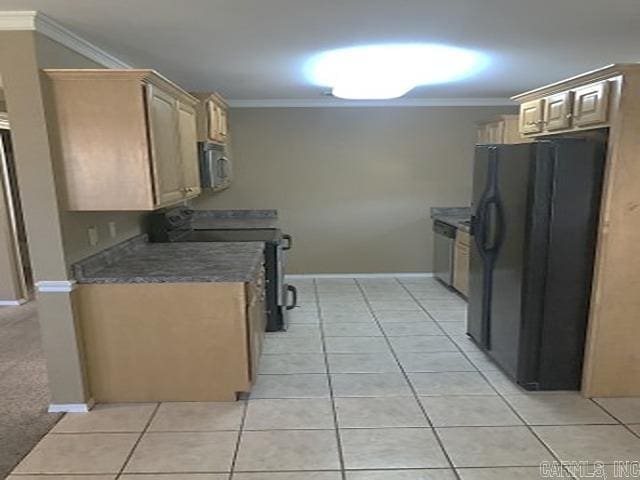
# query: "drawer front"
{"points": [[531, 114], [591, 104], [557, 111]]}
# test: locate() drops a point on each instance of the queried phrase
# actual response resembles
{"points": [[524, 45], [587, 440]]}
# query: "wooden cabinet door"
{"points": [[165, 147], [223, 124], [531, 114], [591, 104], [213, 121], [189, 149], [557, 111]]}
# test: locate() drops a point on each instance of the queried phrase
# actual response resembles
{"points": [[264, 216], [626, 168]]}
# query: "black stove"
{"points": [[177, 225]]}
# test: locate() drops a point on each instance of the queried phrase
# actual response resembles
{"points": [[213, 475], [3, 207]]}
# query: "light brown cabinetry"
{"points": [[557, 111], [591, 104], [567, 110], [610, 97], [188, 149], [124, 139], [531, 115], [213, 123], [171, 341], [499, 130], [461, 258]]}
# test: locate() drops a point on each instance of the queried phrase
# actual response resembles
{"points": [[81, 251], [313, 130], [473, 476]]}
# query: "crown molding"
{"points": [[400, 102], [36, 21]]}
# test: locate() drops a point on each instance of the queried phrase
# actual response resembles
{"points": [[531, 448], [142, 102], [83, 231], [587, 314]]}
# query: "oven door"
{"points": [[287, 294]]}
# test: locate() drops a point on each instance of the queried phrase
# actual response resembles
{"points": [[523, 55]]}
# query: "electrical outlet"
{"points": [[113, 232], [93, 236]]}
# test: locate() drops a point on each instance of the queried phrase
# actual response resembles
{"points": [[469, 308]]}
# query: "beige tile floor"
{"points": [[374, 380]]}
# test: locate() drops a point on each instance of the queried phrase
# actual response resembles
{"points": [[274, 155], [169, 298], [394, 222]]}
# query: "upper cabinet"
{"points": [[499, 130], [531, 114], [557, 111], [212, 118], [591, 104], [566, 110], [124, 139]]}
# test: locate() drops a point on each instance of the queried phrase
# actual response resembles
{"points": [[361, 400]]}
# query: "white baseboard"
{"points": [[71, 407], [12, 303], [358, 275]]}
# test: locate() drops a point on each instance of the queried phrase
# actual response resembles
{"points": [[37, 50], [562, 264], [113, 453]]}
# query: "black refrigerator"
{"points": [[535, 217]]}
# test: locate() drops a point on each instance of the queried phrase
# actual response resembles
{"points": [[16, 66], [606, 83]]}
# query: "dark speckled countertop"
{"points": [[234, 219], [137, 261], [454, 216]]}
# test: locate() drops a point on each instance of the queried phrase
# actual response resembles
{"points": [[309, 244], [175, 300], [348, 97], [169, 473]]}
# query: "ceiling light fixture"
{"points": [[390, 70]]}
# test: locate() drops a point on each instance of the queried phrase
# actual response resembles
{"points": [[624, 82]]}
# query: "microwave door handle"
{"points": [[224, 168], [211, 168]]}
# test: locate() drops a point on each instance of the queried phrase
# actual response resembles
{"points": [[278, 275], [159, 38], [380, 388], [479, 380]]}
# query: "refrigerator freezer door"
{"points": [[514, 169], [477, 312]]}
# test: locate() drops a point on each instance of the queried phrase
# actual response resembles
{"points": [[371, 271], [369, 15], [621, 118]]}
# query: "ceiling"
{"points": [[256, 49]]}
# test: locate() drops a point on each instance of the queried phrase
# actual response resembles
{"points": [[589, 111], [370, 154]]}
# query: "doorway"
{"points": [[16, 278]]}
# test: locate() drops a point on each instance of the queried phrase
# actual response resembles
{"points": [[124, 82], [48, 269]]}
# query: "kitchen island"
{"points": [[172, 321]]}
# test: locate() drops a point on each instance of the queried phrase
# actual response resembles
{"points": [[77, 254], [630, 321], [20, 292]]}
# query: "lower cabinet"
{"points": [[461, 262], [171, 341]]}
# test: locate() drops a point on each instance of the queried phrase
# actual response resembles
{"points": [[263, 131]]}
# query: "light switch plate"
{"points": [[93, 236], [113, 232]]}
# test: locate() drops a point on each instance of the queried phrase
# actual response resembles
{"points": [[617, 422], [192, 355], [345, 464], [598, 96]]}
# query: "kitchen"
{"points": [[367, 311]]}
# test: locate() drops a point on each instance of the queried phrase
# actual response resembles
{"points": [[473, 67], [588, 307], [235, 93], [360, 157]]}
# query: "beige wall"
{"points": [[353, 185]]}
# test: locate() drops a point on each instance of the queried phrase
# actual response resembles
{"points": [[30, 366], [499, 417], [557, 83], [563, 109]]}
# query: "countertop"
{"points": [[137, 261], [454, 216], [235, 219]]}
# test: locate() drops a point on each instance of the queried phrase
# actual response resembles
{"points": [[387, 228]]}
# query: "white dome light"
{"points": [[390, 71]]}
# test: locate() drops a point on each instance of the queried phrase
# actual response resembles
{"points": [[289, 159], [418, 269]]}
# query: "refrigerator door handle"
{"points": [[479, 225], [494, 232]]}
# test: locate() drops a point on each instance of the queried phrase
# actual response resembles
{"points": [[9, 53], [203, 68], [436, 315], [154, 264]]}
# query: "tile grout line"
{"points": [[329, 381], [505, 400], [406, 378], [486, 379], [137, 442], [620, 422], [236, 450]]}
